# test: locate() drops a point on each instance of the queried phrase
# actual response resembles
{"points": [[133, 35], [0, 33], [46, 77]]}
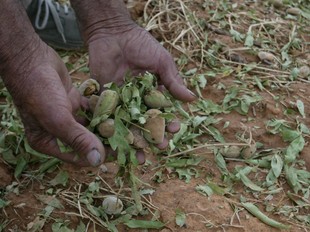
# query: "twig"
{"points": [[78, 201], [205, 146]]}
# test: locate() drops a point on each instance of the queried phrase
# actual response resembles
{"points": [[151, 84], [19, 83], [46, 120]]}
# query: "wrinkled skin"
{"points": [[117, 45], [135, 50], [41, 87], [47, 103]]}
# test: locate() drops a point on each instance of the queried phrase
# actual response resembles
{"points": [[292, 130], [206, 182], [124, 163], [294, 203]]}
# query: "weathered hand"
{"points": [[134, 50], [47, 103]]}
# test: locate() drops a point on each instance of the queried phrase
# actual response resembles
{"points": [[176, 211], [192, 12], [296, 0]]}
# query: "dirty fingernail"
{"points": [[94, 157]]}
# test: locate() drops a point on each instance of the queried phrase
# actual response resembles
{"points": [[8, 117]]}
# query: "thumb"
{"points": [[87, 148], [46, 143], [84, 143]]}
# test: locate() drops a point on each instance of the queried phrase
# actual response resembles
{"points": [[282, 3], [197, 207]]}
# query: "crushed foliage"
{"points": [[253, 53]]}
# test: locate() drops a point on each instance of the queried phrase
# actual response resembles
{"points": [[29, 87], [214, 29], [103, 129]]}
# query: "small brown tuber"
{"points": [[155, 126], [156, 100], [106, 128], [107, 102]]}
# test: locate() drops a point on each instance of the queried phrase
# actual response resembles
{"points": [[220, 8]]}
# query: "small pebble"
{"points": [[112, 205], [266, 57], [304, 71]]}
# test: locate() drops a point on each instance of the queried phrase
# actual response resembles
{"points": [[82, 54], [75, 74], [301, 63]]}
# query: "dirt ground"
{"points": [[203, 213]]}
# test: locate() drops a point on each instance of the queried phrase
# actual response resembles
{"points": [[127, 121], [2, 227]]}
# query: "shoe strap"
{"points": [[49, 9]]}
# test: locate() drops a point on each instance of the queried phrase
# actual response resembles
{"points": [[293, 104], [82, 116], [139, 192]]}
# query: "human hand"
{"points": [[133, 50], [47, 102]]}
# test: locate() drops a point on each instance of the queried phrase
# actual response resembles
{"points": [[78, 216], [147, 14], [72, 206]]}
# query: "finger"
{"points": [[163, 145], [47, 144], [161, 88], [140, 155], [173, 126], [62, 125], [111, 154], [77, 100], [173, 82], [79, 105]]}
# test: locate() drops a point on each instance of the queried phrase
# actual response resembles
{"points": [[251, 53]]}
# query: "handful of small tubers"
{"points": [[142, 108]]}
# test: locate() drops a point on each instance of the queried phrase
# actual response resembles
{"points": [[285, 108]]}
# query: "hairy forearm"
{"points": [[102, 16], [17, 37]]}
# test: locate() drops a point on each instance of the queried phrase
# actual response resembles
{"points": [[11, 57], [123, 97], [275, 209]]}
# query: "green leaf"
{"points": [[236, 35], [147, 80], [216, 134], [48, 210], [289, 135], [187, 173], [134, 188], [179, 107], [64, 148], [208, 106], [3, 203], [33, 152], [301, 108], [51, 201], [95, 121], [167, 116], [20, 167], [51, 163], [93, 210], [126, 93], [118, 141], [9, 157], [60, 179], [259, 83], [296, 146], [220, 161], [202, 81], [270, 178], [304, 129], [233, 92], [183, 162], [60, 227], [277, 165], [249, 40], [198, 120], [204, 190], [247, 182], [180, 218], [264, 218], [183, 129], [93, 186], [190, 72], [217, 189], [292, 178], [142, 224]]}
